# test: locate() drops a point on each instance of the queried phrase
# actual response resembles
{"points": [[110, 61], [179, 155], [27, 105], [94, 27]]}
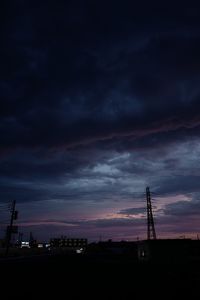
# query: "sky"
{"points": [[98, 100]]}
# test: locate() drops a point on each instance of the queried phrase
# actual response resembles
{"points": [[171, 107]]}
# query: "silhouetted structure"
{"points": [[19, 239], [169, 250], [110, 249], [151, 233], [32, 241], [11, 229], [70, 244]]}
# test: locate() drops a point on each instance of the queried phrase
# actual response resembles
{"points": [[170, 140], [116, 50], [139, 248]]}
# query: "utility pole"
{"points": [[20, 236], [151, 233], [13, 217]]}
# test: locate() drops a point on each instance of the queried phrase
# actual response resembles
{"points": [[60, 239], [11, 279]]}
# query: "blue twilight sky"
{"points": [[99, 99]]}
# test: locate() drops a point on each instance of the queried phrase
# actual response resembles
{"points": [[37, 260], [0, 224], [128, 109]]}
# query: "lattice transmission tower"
{"points": [[151, 233]]}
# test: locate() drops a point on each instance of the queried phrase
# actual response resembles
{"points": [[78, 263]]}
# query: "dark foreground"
{"points": [[85, 277]]}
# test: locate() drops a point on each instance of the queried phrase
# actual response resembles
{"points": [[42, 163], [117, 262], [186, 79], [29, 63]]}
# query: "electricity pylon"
{"points": [[151, 233]]}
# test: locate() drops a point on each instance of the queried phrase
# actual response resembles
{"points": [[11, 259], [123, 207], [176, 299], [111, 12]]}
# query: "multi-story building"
{"points": [[69, 243]]}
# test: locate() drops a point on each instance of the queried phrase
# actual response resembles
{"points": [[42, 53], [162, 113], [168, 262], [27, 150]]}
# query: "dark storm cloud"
{"points": [[97, 101], [179, 184], [99, 175], [88, 71], [120, 222], [133, 211], [183, 208], [116, 222]]}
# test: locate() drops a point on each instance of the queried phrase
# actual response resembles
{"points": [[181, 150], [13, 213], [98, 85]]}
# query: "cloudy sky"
{"points": [[99, 99]]}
